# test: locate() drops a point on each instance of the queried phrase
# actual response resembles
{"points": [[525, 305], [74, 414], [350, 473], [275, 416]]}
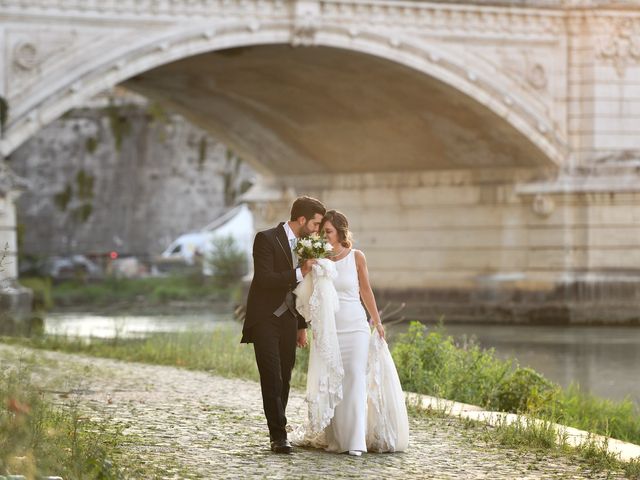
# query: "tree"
{"points": [[227, 261]]}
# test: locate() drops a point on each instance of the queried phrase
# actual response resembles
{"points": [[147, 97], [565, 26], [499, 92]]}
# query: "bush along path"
{"points": [[176, 423], [431, 362]]}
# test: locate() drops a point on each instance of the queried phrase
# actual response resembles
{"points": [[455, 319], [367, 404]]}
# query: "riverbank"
{"points": [[192, 424], [173, 294], [196, 293], [427, 363], [431, 362]]}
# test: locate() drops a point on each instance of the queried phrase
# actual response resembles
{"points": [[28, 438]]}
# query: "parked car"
{"points": [[71, 267]]}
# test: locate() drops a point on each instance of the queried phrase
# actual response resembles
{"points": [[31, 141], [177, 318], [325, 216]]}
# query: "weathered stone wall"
{"points": [[127, 178]]}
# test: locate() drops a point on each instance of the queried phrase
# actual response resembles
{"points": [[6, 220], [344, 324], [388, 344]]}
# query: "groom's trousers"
{"points": [[275, 348]]}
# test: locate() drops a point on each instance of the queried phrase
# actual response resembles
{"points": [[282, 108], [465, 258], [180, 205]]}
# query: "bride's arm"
{"points": [[366, 293]]}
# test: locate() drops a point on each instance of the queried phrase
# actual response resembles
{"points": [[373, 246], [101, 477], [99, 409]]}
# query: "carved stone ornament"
{"points": [[621, 46], [542, 205], [25, 55], [33, 50], [306, 23], [536, 76], [522, 64]]}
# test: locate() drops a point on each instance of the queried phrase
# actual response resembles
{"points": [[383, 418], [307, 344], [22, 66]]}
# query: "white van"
{"points": [[237, 223]]}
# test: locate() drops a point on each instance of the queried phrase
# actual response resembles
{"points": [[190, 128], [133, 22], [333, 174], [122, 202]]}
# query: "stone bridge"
{"points": [[486, 152]]}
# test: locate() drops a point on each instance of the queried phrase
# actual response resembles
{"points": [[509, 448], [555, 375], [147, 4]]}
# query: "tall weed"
{"points": [[38, 438]]}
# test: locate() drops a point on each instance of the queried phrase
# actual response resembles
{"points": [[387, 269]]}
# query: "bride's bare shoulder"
{"points": [[360, 258]]}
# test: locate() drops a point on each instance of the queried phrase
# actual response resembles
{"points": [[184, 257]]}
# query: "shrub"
{"points": [[41, 287], [227, 262], [434, 364], [166, 293], [524, 390]]}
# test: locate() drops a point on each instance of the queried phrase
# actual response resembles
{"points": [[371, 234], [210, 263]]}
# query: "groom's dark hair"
{"points": [[306, 207]]}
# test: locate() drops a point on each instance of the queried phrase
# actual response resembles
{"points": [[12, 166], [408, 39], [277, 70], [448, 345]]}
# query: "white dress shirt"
{"points": [[292, 236]]}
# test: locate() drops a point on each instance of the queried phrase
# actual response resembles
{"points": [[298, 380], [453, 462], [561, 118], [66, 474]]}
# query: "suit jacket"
{"points": [[274, 276]]}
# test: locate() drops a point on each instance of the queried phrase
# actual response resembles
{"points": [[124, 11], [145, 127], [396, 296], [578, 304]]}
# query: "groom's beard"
{"points": [[304, 231]]}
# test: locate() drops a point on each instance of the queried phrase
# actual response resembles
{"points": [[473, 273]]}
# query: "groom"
{"points": [[272, 323]]}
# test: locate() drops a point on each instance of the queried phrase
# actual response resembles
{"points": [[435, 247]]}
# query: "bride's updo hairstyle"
{"points": [[339, 221]]}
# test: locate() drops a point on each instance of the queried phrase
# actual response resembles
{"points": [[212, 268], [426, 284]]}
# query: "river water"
{"points": [[602, 360], [130, 326]]}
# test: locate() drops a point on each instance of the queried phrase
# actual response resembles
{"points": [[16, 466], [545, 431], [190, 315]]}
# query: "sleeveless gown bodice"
{"points": [[351, 317]]}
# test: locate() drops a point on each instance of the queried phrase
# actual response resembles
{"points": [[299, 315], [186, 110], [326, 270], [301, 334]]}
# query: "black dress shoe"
{"points": [[281, 446]]}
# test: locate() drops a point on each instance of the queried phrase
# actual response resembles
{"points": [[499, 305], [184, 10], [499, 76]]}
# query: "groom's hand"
{"points": [[302, 338], [306, 266]]}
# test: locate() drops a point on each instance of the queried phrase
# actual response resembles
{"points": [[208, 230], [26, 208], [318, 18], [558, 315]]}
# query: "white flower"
{"points": [[317, 245], [327, 247], [306, 243]]}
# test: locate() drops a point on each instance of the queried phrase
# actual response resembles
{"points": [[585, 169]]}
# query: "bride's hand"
{"points": [[301, 339], [306, 266], [380, 330]]}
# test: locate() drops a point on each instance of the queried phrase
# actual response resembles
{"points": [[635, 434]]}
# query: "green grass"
{"points": [[433, 363], [530, 432], [140, 291], [540, 436], [632, 469], [38, 438], [582, 410], [219, 351]]}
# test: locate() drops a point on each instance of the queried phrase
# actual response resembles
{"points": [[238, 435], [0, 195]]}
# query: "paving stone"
{"points": [[203, 426]]}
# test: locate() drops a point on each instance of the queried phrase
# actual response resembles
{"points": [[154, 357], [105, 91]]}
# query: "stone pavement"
{"points": [[196, 425]]}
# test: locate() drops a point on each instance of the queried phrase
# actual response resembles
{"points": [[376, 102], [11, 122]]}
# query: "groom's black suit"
{"points": [[272, 333]]}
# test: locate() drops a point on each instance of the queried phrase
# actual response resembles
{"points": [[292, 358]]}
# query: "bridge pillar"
{"points": [[15, 300]]}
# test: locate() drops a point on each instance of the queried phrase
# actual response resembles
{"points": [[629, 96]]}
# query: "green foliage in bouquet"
{"points": [[313, 246]]}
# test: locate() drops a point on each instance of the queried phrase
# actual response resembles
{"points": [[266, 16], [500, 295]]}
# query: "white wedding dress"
{"points": [[347, 430], [354, 397]]}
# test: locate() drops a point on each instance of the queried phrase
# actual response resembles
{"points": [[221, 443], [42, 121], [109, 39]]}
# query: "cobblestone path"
{"points": [[196, 425]]}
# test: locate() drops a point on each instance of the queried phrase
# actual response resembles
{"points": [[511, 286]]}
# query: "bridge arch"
{"points": [[473, 79]]}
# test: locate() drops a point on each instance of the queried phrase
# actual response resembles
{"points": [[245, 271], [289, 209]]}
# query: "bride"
{"points": [[364, 393]]}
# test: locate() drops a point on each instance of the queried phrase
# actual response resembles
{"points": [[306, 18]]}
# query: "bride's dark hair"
{"points": [[339, 221]]}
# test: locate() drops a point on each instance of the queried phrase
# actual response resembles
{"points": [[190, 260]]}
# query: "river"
{"points": [[602, 360]]}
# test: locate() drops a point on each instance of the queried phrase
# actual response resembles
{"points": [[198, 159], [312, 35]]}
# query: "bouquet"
{"points": [[313, 246]]}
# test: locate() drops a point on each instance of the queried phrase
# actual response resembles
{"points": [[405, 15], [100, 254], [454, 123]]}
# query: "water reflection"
{"points": [[130, 326], [602, 360]]}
